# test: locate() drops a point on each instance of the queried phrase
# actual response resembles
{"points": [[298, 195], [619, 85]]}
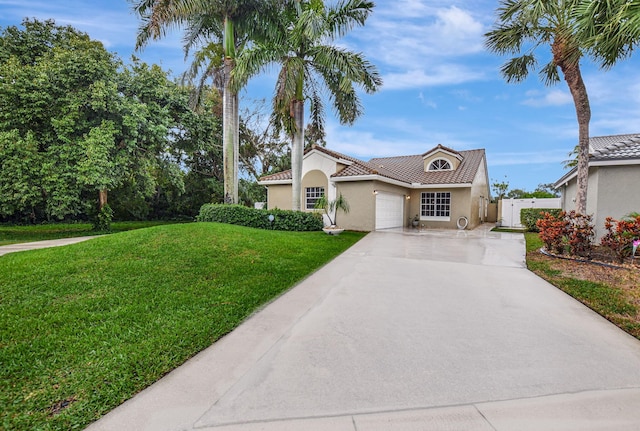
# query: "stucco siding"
{"points": [[479, 197], [618, 193], [359, 195], [459, 207], [314, 178], [612, 192], [279, 196]]}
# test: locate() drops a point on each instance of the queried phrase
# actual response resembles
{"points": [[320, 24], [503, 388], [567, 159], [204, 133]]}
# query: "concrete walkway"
{"points": [[12, 248], [443, 330]]}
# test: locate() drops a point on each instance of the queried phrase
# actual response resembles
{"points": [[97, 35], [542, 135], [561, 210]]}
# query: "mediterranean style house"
{"points": [[441, 188], [614, 179]]}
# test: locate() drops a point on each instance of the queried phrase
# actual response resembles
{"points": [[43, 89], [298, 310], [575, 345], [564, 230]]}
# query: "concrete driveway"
{"points": [[443, 330]]}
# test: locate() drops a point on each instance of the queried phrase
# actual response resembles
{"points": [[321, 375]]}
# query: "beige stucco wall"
{"points": [[612, 192], [479, 196], [315, 178], [459, 207], [279, 196], [362, 201], [359, 195]]}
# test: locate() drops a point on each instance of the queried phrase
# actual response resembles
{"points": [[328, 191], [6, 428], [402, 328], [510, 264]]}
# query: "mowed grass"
{"points": [[18, 234], [604, 290], [85, 327]]}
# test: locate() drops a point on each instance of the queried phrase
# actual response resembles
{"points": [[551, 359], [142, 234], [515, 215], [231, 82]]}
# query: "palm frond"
{"points": [[348, 14], [549, 74], [518, 68]]}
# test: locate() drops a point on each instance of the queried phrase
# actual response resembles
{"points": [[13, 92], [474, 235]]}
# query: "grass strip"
{"points": [[85, 327], [606, 299], [11, 234]]}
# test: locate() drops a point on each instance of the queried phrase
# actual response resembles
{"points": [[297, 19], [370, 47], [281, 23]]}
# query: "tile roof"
{"points": [[410, 169], [278, 176], [406, 169], [619, 147], [608, 148]]}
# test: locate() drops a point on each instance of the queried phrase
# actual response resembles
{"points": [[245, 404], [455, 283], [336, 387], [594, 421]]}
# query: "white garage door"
{"points": [[389, 210]]}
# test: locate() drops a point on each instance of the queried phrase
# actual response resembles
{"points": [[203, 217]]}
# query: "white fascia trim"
{"points": [[568, 177], [615, 162], [371, 178], [400, 183], [442, 186], [275, 182], [341, 161]]}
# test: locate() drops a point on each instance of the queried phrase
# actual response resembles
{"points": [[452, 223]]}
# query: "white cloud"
{"points": [[443, 74], [550, 98], [556, 156], [365, 144], [418, 43], [426, 102]]}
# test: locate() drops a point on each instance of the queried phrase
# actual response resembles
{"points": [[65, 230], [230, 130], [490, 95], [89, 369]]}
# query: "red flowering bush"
{"points": [[552, 231], [620, 236], [572, 232], [579, 234]]}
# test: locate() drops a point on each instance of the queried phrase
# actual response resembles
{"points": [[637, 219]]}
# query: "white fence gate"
{"points": [[511, 208]]}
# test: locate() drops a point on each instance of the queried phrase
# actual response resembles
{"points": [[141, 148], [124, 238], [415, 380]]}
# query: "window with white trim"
{"points": [[440, 165], [312, 194], [435, 205]]}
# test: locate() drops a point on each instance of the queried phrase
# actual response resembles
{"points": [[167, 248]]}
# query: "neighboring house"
{"points": [[614, 179], [440, 186]]}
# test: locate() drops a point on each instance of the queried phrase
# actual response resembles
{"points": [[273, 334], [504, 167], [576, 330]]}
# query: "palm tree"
{"points": [[206, 20], [613, 28], [300, 42], [526, 25]]}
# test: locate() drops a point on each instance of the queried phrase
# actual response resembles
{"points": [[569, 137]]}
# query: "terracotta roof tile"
{"points": [[410, 169], [406, 169], [278, 176]]}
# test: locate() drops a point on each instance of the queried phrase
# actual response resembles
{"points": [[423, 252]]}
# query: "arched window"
{"points": [[440, 165]]}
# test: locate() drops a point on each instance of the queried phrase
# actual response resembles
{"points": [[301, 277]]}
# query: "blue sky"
{"points": [[440, 85]]}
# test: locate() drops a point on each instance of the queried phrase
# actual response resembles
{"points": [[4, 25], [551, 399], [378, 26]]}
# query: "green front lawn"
{"points": [[85, 327], [17, 234], [614, 293]]}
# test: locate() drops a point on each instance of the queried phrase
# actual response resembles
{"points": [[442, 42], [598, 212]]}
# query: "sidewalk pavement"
{"points": [[439, 330], [12, 248]]}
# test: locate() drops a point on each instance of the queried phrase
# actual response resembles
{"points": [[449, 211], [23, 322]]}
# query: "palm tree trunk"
{"points": [[583, 111], [296, 153], [230, 122]]}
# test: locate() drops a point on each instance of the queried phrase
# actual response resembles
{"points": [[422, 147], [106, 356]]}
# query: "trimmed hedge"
{"points": [[259, 218], [530, 216]]}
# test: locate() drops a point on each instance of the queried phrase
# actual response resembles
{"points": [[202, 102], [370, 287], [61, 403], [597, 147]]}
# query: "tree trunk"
{"points": [[230, 138], [583, 112], [573, 76], [102, 198], [297, 146], [230, 131]]}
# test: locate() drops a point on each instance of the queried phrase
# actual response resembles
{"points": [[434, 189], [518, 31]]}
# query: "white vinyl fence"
{"points": [[510, 214]]}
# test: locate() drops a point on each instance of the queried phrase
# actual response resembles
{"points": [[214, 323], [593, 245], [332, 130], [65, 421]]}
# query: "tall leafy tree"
{"points": [[300, 41], [613, 28], [523, 27], [75, 123], [229, 22]]}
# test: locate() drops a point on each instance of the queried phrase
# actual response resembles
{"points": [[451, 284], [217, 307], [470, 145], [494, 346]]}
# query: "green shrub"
{"points": [[530, 216], [102, 220], [259, 218]]}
